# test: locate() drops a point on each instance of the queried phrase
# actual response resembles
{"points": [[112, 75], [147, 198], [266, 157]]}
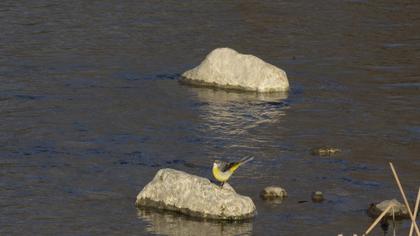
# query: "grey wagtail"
{"points": [[223, 170]]}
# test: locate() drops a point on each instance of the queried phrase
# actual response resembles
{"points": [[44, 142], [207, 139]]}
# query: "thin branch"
{"points": [[405, 199], [378, 219], [416, 208]]}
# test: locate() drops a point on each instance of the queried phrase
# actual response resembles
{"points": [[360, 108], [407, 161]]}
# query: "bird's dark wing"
{"points": [[227, 166]]}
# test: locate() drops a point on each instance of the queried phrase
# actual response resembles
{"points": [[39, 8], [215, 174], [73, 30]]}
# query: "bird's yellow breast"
{"points": [[219, 175]]}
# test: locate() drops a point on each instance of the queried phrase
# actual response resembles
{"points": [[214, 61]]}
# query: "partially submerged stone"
{"points": [[325, 151], [400, 210], [317, 196], [195, 196], [273, 192], [226, 68]]}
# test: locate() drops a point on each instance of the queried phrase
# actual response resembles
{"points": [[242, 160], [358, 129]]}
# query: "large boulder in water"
{"points": [[195, 196], [226, 68]]}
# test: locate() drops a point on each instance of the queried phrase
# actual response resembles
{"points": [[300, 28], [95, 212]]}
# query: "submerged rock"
{"points": [[226, 68], [324, 151], [273, 192], [317, 196], [195, 196], [400, 209]]}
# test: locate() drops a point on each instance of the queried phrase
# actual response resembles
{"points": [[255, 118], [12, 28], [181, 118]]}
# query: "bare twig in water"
{"points": [[416, 208], [405, 199], [378, 219], [393, 221]]}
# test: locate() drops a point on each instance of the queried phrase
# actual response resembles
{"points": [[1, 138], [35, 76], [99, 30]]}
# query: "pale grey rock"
{"points": [[400, 210], [226, 68], [273, 192], [196, 196]]}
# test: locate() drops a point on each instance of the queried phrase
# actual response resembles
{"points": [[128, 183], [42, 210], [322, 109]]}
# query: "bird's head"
{"points": [[216, 163]]}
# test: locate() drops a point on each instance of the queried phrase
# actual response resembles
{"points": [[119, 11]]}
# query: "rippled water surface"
{"points": [[91, 108]]}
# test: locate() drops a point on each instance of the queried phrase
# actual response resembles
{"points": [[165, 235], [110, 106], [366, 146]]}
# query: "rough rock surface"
{"points": [[196, 196], [400, 209], [273, 192], [226, 68]]}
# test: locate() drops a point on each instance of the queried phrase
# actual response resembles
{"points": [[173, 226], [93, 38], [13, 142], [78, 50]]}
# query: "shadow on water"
{"points": [[169, 223]]}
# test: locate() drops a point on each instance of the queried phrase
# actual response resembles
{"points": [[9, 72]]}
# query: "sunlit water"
{"points": [[90, 109]]}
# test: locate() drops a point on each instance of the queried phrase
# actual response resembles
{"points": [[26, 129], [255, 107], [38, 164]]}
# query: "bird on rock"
{"points": [[222, 171]]}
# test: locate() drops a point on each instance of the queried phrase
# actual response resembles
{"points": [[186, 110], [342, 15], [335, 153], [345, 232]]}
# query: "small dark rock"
{"points": [[317, 196], [324, 151]]}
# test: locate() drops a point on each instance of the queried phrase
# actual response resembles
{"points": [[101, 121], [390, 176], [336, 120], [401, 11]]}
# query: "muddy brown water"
{"points": [[90, 109]]}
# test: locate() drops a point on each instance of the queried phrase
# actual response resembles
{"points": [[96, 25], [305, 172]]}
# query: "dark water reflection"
{"points": [[90, 109], [163, 223]]}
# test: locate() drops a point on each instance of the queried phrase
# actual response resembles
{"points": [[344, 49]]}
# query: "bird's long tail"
{"points": [[234, 165], [245, 160]]}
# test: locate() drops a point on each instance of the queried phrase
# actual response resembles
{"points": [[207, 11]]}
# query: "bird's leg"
{"points": [[221, 184]]}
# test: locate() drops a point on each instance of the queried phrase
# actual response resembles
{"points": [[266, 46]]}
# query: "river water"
{"points": [[91, 108]]}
